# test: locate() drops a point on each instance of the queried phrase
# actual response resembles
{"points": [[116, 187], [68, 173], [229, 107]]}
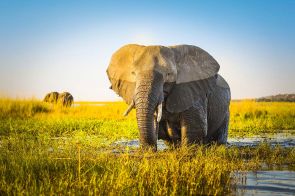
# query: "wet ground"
{"points": [[262, 183]]}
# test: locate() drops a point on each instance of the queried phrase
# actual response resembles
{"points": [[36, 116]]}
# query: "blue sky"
{"points": [[66, 45]]}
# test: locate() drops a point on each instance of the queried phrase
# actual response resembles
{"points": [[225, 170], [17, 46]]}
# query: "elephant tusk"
{"points": [[159, 115], [131, 106]]}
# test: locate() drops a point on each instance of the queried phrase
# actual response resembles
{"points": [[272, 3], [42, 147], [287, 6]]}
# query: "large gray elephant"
{"points": [[64, 99], [177, 92]]}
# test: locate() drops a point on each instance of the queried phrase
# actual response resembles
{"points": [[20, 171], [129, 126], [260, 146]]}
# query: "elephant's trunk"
{"points": [[149, 94]]}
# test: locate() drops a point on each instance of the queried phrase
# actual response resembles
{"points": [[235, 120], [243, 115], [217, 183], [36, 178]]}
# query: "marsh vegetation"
{"points": [[49, 149]]}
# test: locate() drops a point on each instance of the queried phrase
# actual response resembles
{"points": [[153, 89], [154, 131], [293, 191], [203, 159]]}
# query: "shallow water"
{"points": [[284, 139], [135, 144], [266, 183]]}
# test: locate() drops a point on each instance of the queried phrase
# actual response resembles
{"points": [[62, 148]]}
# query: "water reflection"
{"points": [[266, 183], [284, 139]]}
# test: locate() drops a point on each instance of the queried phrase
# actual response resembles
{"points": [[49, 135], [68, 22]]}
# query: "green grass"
{"points": [[52, 150], [250, 117]]}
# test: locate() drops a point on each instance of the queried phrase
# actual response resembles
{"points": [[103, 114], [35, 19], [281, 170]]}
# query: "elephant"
{"points": [[64, 99], [177, 92], [51, 97]]}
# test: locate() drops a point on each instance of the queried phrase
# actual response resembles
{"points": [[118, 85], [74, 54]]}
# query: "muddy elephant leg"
{"points": [[221, 135], [194, 125]]}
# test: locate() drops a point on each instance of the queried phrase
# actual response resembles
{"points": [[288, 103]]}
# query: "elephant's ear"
{"points": [[193, 63], [120, 71], [196, 76]]}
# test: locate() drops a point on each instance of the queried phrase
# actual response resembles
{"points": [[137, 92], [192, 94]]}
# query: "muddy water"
{"points": [[259, 183]]}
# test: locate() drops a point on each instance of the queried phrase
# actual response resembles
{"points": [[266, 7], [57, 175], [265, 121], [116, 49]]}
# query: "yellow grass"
{"points": [[46, 149]]}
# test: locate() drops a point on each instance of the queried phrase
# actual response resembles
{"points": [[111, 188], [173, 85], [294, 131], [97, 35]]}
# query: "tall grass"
{"points": [[21, 108], [32, 168], [260, 117], [53, 150], [247, 117]]}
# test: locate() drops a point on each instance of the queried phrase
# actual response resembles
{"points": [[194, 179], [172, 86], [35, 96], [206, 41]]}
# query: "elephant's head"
{"points": [[143, 75]]}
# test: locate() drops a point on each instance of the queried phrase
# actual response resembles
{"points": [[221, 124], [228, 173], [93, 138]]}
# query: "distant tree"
{"points": [[278, 98]]}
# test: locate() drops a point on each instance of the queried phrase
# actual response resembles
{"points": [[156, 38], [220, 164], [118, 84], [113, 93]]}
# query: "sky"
{"points": [[65, 45]]}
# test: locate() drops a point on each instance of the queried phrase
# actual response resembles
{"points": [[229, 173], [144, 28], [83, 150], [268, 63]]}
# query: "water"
{"points": [[265, 183], [285, 139], [135, 144]]}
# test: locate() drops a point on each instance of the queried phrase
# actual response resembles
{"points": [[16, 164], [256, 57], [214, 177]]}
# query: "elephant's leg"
{"points": [[169, 132], [173, 132], [220, 137], [162, 133], [194, 124]]}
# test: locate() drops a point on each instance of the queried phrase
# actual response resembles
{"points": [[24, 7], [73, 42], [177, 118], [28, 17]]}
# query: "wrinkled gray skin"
{"points": [[64, 99], [203, 121]]}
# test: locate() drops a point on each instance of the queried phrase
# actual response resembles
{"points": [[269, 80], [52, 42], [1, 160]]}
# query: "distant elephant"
{"points": [[51, 97], [177, 92], [63, 99]]}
